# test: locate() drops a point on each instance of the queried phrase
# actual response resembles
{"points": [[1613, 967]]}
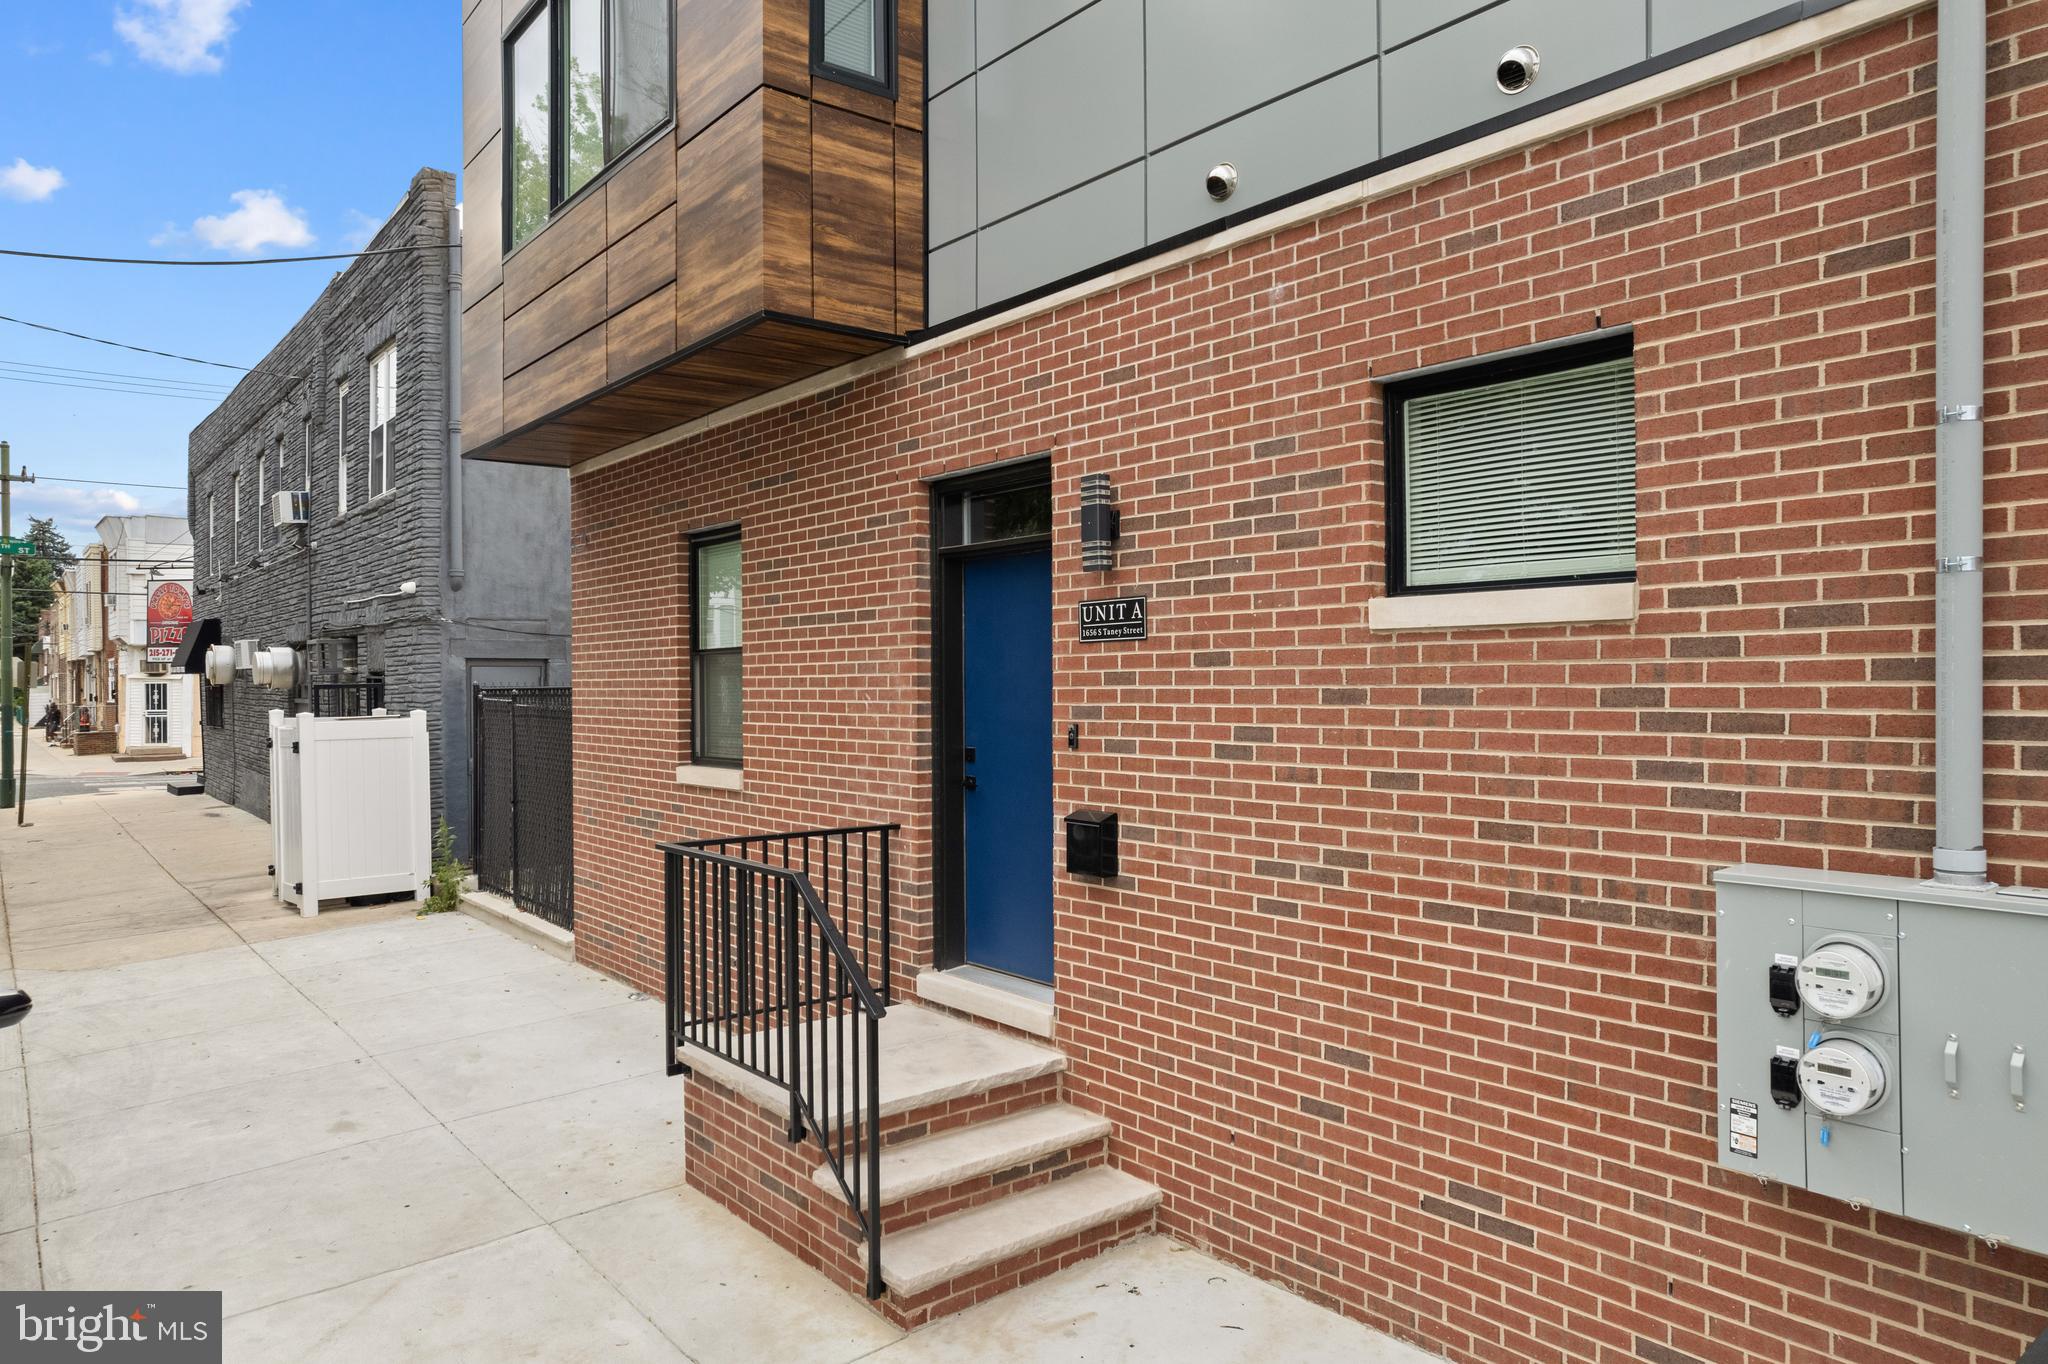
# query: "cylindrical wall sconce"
{"points": [[1099, 524]]}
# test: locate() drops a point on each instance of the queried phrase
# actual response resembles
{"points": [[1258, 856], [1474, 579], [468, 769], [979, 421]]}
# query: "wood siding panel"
{"points": [[853, 248], [719, 60], [786, 45], [557, 251], [640, 335], [909, 265], [786, 195], [565, 375], [483, 72], [641, 263], [566, 311], [910, 63], [483, 221], [719, 223], [483, 336], [641, 188]]}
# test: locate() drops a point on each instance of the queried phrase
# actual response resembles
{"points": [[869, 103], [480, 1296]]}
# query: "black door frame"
{"points": [[949, 883]]}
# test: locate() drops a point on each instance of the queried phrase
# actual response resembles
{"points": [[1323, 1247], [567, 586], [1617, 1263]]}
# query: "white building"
{"points": [[148, 608]]}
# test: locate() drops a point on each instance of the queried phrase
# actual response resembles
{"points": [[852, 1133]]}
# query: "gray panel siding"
{"points": [[1309, 136], [1037, 97], [949, 274], [949, 41], [1062, 109], [1405, 20], [1003, 24], [1445, 81], [951, 187], [1091, 224], [1674, 23], [1209, 60]]}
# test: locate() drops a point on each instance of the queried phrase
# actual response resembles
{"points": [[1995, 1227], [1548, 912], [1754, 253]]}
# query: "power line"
{"points": [[27, 365], [110, 483], [123, 345], [133, 392], [253, 260]]}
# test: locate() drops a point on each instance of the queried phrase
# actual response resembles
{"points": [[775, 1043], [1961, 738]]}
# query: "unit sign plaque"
{"points": [[1113, 618]]}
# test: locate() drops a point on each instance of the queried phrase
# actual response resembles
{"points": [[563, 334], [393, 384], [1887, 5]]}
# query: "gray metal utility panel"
{"points": [[1948, 1012]]}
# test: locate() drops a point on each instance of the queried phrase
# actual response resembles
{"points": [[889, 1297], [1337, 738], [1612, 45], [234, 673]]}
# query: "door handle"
{"points": [[2018, 1072], [969, 783], [1948, 1065]]}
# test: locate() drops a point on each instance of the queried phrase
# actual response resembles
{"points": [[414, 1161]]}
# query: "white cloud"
{"points": [[78, 510], [29, 184], [261, 218], [179, 35]]}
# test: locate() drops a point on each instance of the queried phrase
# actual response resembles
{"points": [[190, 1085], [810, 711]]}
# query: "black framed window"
{"points": [[1518, 473], [854, 42], [715, 641], [586, 81]]}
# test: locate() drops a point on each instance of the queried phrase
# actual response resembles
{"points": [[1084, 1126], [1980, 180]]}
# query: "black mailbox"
{"points": [[1091, 843]]}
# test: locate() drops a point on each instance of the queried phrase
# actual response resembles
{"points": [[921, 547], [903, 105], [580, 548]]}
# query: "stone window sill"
{"points": [[1574, 604], [711, 778], [383, 499]]}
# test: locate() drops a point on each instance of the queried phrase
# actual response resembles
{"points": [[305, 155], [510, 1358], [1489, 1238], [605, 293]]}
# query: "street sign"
{"points": [[15, 547]]}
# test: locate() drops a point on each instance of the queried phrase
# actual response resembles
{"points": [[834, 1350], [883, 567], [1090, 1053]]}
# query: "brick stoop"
{"points": [[989, 1179]]}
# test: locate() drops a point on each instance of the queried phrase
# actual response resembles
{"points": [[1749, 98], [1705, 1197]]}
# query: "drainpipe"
{"points": [[1959, 858], [452, 386]]}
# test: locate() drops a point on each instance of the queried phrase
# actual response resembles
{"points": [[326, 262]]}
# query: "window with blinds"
{"points": [[715, 708], [1515, 478], [852, 41]]}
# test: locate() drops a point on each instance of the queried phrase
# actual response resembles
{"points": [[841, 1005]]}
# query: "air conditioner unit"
{"points": [[290, 508], [245, 654]]}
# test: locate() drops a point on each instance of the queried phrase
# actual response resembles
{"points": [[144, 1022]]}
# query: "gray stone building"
{"points": [[415, 573]]}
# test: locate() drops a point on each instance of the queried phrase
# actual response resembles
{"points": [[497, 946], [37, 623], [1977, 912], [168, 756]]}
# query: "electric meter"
{"points": [[1841, 980], [1842, 1077]]}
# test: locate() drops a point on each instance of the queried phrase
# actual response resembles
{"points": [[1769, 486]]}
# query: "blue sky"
{"points": [[213, 129]]}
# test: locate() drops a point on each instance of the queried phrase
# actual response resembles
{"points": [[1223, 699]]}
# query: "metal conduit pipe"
{"points": [[1959, 858]]}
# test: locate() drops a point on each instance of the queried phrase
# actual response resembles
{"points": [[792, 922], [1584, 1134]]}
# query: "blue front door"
{"points": [[1006, 803]]}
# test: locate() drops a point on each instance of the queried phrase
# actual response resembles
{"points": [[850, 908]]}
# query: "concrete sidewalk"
{"points": [[391, 1138]]}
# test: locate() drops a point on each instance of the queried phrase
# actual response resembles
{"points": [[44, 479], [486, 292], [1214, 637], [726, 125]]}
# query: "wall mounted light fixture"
{"points": [[1100, 524]]}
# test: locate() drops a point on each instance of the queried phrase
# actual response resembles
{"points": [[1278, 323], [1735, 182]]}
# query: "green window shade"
{"points": [[851, 38], [718, 595], [1524, 479], [718, 706]]}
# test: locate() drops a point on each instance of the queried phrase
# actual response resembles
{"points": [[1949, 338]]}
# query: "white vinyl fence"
{"points": [[349, 806]]}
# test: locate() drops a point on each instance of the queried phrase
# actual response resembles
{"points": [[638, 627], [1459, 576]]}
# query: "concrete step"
{"points": [[928, 1256], [927, 1058], [982, 1148]]}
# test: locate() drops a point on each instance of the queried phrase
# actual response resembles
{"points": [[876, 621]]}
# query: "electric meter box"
{"points": [[1878, 1039]]}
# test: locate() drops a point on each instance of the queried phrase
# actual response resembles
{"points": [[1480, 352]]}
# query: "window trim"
{"points": [[698, 543], [1396, 392], [558, 203], [235, 518], [887, 58]]}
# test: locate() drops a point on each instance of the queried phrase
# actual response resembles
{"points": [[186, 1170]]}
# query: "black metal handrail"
{"points": [[760, 975], [849, 869]]}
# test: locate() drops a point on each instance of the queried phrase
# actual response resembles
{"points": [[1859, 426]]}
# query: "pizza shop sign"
{"points": [[170, 615]]}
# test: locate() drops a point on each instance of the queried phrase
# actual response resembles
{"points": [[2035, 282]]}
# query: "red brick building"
{"points": [[1403, 994]]}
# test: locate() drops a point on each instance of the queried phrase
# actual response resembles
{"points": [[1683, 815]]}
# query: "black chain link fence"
{"points": [[523, 841]]}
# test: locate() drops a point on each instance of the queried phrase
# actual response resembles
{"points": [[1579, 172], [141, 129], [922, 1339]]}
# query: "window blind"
{"points": [[850, 37], [1523, 479]]}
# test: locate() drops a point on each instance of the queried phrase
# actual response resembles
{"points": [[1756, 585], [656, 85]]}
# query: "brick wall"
{"points": [[1406, 995]]}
